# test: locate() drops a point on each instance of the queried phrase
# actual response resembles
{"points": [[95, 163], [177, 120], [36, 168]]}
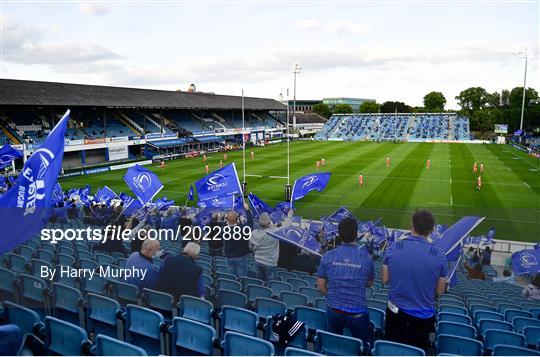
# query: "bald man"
{"points": [[144, 260], [236, 251]]}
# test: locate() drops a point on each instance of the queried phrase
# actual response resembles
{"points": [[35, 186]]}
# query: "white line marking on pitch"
{"points": [[509, 169], [254, 175], [450, 180], [525, 183], [278, 177], [451, 200]]}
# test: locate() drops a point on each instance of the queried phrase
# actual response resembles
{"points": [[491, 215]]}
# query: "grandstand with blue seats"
{"points": [[396, 127]]}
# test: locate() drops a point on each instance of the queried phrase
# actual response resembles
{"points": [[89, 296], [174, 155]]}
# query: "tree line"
{"points": [[483, 109]]}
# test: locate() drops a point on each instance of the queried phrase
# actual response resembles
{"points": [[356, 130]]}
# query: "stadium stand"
{"points": [[29, 109], [384, 127]]}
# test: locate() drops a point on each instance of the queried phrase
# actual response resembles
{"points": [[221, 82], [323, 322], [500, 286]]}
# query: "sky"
{"points": [[384, 50]]}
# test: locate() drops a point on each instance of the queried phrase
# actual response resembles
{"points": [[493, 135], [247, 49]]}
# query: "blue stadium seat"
{"points": [[238, 320], [320, 303], [511, 313], [388, 348], [448, 316], [190, 337], [504, 350], [96, 285], [26, 251], [279, 286], [65, 279], [232, 298], [487, 324], [503, 307], [27, 320], [377, 318], [521, 322], [122, 292], [236, 344], [87, 264], [196, 309], [268, 307], [17, 263], [68, 304], [331, 344], [297, 283], [311, 293], [257, 291], [45, 255], [453, 309], [377, 304], [250, 281], [64, 259], [225, 275], [293, 351], [479, 315], [535, 312], [65, 339], [102, 316], [494, 337], [457, 329], [292, 299], [145, 328], [458, 345], [474, 308], [108, 346], [65, 250], [35, 294], [102, 259], [380, 297], [314, 319], [85, 256], [36, 266], [228, 284], [532, 335], [8, 285], [160, 302], [452, 303]]}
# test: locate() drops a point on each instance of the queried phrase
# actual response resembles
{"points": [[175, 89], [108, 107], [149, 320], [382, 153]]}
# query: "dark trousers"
{"points": [[358, 324], [405, 328]]}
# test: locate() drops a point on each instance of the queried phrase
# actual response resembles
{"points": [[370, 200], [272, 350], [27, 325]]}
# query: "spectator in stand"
{"points": [[475, 258], [266, 247], [144, 260], [532, 290], [343, 275], [486, 256], [215, 246], [475, 272], [508, 277], [417, 272], [236, 251], [470, 254], [111, 245], [191, 282]]}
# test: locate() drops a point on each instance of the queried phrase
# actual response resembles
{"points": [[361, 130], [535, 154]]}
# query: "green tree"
{"points": [[485, 119], [494, 100], [434, 102], [342, 109], [516, 96], [369, 107], [322, 109], [472, 99], [505, 98], [392, 107]]}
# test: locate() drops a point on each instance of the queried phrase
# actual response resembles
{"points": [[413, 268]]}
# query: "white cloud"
{"points": [[94, 9], [23, 44], [339, 27]]}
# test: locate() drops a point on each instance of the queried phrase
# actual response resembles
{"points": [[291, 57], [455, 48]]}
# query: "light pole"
{"points": [[297, 68], [288, 185], [523, 54]]}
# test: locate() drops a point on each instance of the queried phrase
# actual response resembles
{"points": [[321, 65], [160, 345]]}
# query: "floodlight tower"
{"points": [[523, 54], [297, 68]]}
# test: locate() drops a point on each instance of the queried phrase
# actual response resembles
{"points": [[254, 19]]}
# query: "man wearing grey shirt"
{"points": [[266, 247]]}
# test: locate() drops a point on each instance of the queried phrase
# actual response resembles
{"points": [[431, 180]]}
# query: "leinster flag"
{"points": [[105, 194], [220, 183], [24, 207], [143, 183], [309, 183], [7, 155], [258, 205], [301, 238], [451, 240], [526, 262], [191, 194]]}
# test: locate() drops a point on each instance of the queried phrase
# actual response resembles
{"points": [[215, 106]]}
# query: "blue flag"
{"points": [[452, 278], [339, 214], [224, 203], [258, 205], [191, 194], [24, 208], [131, 205], [330, 230], [526, 262], [308, 183], [220, 183], [163, 203], [489, 237], [7, 155], [202, 218], [85, 191], [57, 191], [105, 194], [143, 183], [301, 238], [451, 241]]}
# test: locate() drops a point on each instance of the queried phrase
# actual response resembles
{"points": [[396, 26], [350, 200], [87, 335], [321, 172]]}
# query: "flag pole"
{"points": [[244, 188], [288, 194]]}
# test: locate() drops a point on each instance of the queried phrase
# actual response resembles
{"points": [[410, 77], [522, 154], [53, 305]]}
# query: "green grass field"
{"points": [[509, 199]]}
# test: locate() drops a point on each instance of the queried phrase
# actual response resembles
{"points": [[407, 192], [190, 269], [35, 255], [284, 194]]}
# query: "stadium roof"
{"points": [[19, 92]]}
